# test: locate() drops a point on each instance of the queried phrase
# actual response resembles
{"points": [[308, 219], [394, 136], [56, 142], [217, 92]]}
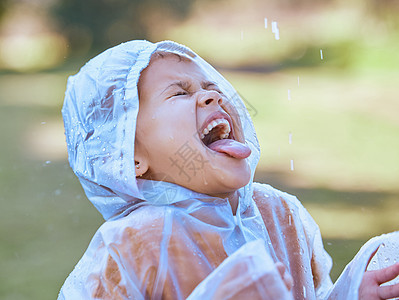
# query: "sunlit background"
{"points": [[320, 78]]}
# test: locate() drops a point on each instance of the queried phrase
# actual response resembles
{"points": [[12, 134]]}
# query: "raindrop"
{"points": [[289, 94], [321, 54], [242, 35], [290, 138], [275, 30], [43, 123], [104, 149], [48, 162], [304, 292], [292, 165], [289, 220], [265, 22], [298, 80]]}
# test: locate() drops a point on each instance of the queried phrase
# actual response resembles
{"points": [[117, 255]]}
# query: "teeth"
{"points": [[224, 132], [225, 136]]}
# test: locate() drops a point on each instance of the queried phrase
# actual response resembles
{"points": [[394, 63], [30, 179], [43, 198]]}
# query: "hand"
{"points": [[285, 276], [370, 288]]}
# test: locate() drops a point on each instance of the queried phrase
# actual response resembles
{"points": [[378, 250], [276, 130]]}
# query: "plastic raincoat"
{"points": [[161, 240]]}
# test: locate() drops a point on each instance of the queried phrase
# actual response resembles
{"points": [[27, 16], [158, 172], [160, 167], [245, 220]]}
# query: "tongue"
{"points": [[231, 147]]}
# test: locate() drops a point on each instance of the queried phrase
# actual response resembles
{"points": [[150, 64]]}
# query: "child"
{"points": [[165, 150]]}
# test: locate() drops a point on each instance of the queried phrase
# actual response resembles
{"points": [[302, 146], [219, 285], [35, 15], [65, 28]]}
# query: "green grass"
{"points": [[345, 132], [45, 221]]}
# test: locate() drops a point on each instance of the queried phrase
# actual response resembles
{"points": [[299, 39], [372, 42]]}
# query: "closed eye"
{"points": [[180, 93], [217, 90], [210, 86]]}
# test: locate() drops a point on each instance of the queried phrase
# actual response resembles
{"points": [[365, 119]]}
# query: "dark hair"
{"points": [[163, 54]]}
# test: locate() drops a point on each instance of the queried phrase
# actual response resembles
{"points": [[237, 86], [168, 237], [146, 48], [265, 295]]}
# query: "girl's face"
{"points": [[187, 133]]}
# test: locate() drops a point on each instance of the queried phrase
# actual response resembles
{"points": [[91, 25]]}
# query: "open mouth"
{"points": [[218, 129], [217, 134]]}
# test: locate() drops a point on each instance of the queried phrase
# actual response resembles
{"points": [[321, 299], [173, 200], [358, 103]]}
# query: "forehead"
{"points": [[163, 69]]}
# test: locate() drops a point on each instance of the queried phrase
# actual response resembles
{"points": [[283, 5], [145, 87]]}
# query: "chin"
{"points": [[231, 181]]}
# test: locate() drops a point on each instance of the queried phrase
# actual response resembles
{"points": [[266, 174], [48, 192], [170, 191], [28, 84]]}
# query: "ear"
{"points": [[140, 160], [141, 166]]}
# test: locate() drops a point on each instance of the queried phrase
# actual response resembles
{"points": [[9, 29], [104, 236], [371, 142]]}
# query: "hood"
{"points": [[100, 112]]}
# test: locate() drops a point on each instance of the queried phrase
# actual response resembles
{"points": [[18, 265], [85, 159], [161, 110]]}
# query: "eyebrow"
{"points": [[186, 85]]}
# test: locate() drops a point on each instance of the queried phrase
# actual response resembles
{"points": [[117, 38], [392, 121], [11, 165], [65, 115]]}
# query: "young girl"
{"points": [[166, 151]]}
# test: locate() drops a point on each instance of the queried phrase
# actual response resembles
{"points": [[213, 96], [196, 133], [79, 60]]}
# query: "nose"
{"points": [[207, 98]]}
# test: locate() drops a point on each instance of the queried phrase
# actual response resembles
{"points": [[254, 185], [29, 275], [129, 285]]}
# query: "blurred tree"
{"points": [[97, 24], [3, 7]]}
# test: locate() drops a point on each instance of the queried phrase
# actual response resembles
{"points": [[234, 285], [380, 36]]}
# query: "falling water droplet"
{"points": [[290, 138], [289, 94], [292, 165], [43, 123], [304, 292], [321, 54], [48, 162], [275, 30], [298, 80], [265, 22], [289, 220]]}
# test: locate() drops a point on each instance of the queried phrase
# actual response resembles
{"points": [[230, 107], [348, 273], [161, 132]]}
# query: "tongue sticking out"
{"points": [[231, 147]]}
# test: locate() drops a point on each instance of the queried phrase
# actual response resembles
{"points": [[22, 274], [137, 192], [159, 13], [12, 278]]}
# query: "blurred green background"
{"points": [[323, 97]]}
